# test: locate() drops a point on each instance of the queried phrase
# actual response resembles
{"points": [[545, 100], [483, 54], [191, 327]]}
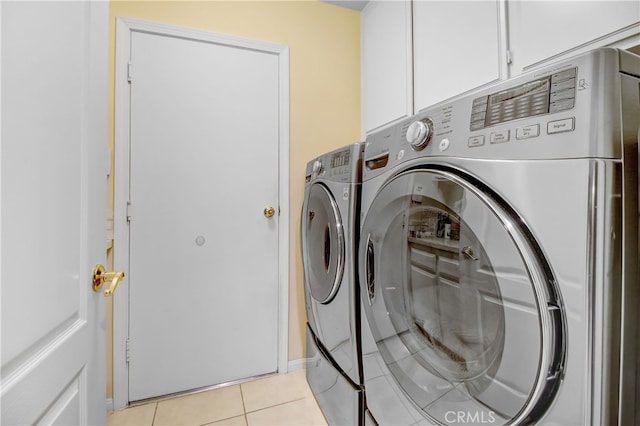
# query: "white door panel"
{"points": [[53, 211], [203, 257]]}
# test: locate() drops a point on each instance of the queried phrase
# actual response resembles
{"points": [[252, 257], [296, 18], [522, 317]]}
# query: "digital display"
{"points": [[526, 100], [340, 159], [516, 92], [542, 96]]}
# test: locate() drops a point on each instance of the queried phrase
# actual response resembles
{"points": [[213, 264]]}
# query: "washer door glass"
{"points": [[461, 303], [323, 244]]}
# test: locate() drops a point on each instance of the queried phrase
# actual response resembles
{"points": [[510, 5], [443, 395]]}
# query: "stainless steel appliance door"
{"points": [[323, 244], [461, 302]]}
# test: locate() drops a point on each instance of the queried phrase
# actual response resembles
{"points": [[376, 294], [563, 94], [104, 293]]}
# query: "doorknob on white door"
{"points": [[269, 211], [99, 276]]}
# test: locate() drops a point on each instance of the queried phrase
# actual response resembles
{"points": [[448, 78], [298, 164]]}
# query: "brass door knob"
{"points": [[99, 276], [269, 211]]}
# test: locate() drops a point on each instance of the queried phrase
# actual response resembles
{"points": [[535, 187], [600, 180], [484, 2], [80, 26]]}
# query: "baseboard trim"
{"points": [[297, 364], [109, 405]]}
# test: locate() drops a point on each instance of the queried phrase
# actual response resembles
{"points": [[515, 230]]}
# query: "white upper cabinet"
{"points": [[458, 46], [387, 91], [542, 31]]}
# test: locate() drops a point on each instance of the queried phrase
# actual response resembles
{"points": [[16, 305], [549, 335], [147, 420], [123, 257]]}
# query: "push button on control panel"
{"points": [[499, 137], [526, 132], [563, 90], [560, 126], [476, 141]]}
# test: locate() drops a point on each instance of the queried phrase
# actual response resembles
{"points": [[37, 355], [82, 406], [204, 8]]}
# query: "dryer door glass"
{"points": [[323, 242], [460, 301]]}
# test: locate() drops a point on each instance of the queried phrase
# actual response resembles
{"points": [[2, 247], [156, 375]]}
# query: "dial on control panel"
{"points": [[317, 167], [419, 133]]}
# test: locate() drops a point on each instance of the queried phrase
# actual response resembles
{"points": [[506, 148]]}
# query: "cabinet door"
{"points": [[542, 30], [457, 47], [386, 63]]}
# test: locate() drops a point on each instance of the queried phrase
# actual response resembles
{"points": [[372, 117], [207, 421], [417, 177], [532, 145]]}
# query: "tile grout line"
{"points": [[244, 408], [155, 412], [278, 404]]}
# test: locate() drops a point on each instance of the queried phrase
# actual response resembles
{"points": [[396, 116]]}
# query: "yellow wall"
{"points": [[324, 55]]}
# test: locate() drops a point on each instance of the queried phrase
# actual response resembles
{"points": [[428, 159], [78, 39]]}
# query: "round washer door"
{"points": [[460, 300], [322, 244]]}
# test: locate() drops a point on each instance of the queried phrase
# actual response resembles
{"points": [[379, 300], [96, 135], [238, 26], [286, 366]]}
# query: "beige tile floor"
{"points": [[283, 399]]}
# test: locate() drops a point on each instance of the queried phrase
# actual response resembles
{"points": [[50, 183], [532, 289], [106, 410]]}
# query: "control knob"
{"points": [[317, 167], [419, 133]]}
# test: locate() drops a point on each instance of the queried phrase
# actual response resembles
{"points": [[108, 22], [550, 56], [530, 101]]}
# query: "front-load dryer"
{"points": [[329, 225], [498, 256]]}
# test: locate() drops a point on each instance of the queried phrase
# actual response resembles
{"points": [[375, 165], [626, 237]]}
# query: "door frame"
{"points": [[124, 29]]}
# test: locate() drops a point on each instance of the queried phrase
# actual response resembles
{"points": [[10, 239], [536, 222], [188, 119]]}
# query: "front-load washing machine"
{"points": [[329, 225], [498, 258]]}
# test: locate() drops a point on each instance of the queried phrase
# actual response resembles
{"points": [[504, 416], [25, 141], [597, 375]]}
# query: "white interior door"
{"points": [[53, 179], [204, 130]]}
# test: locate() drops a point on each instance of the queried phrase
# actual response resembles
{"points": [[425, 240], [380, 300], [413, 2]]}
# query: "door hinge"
{"points": [[509, 58], [129, 72], [128, 211], [128, 350]]}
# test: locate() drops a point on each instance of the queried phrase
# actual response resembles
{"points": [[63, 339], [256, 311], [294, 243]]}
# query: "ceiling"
{"points": [[350, 4]]}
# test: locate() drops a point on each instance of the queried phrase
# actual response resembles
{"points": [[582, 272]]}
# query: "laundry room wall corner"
{"points": [[324, 99]]}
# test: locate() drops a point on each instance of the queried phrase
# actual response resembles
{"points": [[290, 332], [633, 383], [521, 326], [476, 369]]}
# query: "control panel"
{"points": [[337, 165], [547, 95], [550, 94], [564, 111], [340, 158]]}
